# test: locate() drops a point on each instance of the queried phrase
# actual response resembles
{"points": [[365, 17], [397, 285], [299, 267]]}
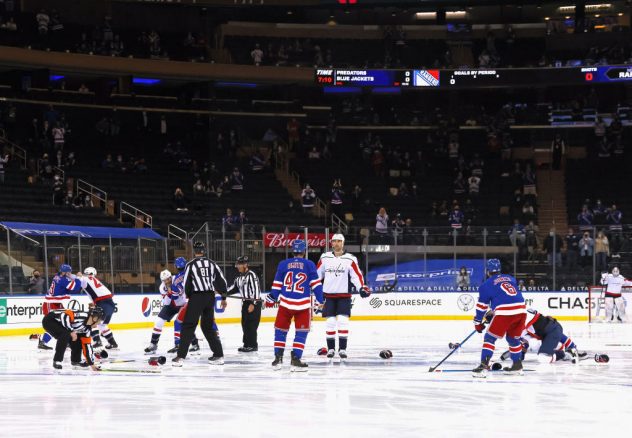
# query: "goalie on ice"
{"points": [[613, 283]]}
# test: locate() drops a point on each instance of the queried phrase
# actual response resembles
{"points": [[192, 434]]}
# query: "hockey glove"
{"points": [[479, 326], [488, 316], [365, 291]]}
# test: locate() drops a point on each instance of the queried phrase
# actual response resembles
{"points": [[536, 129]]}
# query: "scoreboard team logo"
{"points": [[426, 78]]}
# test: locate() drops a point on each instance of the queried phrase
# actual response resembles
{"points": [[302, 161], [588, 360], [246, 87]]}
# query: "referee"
{"points": [[202, 280], [247, 284]]}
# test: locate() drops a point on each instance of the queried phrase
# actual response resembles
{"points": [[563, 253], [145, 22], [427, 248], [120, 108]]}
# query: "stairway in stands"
{"points": [[552, 201]]}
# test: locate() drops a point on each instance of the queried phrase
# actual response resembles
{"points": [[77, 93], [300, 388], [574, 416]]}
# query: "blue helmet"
{"points": [[493, 265], [298, 247], [180, 263], [65, 268]]}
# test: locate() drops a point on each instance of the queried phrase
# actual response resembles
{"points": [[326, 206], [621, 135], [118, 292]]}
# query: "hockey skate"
{"points": [[79, 365], [195, 350], [515, 368], [247, 349], [297, 365], [42, 346], [112, 346], [216, 360], [331, 353], [177, 362], [151, 348], [57, 365], [481, 370], [174, 350], [278, 362], [342, 354], [97, 344], [576, 355]]}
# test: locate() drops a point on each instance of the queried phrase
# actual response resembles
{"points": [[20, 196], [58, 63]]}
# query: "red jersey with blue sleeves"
{"points": [[295, 281], [61, 287], [501, 294]]}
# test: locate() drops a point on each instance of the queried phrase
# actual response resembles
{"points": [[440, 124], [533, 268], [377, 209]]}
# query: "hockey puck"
{"points": [[386, 354], [322, 351], [496, 366]]}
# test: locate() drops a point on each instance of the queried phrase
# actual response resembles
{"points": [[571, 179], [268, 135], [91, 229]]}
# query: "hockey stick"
{"points": [[259, 300], [452, 352]]}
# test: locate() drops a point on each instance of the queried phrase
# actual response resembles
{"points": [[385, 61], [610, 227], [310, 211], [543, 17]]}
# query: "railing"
{"points": [[176, 232], [339, 224], [15, 151], [95, 193], [140, 218]]}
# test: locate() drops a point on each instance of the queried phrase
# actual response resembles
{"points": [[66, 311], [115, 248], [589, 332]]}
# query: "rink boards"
{"points": [[23, 314]]}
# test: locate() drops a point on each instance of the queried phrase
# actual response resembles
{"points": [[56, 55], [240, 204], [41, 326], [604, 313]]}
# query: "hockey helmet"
{"points": [[65, 268], [180, 263], [97, 312], [199, 248], [90, 271], [298, 246], [338, 236], [493, 265], [164, 275]]}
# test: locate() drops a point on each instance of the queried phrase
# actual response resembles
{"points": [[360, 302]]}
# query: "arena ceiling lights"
{"points": [[598, 7], [449, 15]]}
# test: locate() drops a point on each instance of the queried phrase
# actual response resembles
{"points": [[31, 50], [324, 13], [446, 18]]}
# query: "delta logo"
{"points": [[145, 307]]}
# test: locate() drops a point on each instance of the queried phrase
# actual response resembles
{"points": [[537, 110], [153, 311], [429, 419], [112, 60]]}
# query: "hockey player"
{"points": [[295, 281], [101, 297], [178, 283], [500, 294], [73, 327], [614, 282], [58, 293], [338, 269], [545, 336]]}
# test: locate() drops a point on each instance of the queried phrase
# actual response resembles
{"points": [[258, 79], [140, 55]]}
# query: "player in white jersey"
{"points": [[101, 297], [614, 282], [338, 270]]}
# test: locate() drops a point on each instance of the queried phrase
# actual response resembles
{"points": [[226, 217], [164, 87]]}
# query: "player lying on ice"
{"points": [[73, 327]]}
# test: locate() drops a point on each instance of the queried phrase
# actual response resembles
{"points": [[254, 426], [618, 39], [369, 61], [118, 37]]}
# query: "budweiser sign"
{"points": [[282, 240]]}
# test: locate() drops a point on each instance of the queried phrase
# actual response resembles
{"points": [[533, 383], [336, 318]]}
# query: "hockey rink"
{"points": [[366, 397]]}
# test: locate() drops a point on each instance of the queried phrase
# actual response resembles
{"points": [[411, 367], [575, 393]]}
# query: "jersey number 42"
{"points": [[294, 283]]}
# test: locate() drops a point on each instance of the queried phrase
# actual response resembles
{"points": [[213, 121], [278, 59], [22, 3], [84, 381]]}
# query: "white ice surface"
{"points": [[367, 397]]}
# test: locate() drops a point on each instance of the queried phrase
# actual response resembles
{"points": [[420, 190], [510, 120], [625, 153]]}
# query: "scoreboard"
{"points": [[473, 78]]}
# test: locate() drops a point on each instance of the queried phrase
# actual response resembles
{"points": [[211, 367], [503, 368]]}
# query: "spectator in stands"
{"points": [[398, 225], [463, 279], [473, 185], [257, 55], [531, 232], [529, 183], [599, 212], [270, 136], [313, 154], [585, 219], [70, 161], [37, 285], [605, 148], [290, 209], [586, 248], [453, 149], [3, 162], [237, 180], [308, 198], [377, 161], [517, 234], [293, 133], [83, 89], [602, 251], [229, 220], [600, 129], [558, 150], [46, 170], [224, 187], [59, 136], [528, 212], [615, 226], [10, 25], [120, 165], [357, 199], [180, 201], [43, 20], [337, 197], [107, 164], [553, 246], [58, 191], [198, 187], [456, 218], [59, 159], [381, 225], [572, 249], [402, 191], [459, 185], [257, 162], [242, 219]]}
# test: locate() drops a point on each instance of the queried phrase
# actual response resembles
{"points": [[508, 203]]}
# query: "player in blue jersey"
{"points": [[58, 294], [295, 281], [500, 298]]}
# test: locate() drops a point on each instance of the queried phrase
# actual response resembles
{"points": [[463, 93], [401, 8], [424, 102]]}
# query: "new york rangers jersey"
{"points": [[614, 283], [61, 287], [295, 281], [499, 293], [95, 289], [337, 272]]}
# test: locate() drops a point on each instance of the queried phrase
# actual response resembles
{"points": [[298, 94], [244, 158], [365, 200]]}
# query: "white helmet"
{"points": [[90, 271], [164, 275], [615, 271], [338, 236]]}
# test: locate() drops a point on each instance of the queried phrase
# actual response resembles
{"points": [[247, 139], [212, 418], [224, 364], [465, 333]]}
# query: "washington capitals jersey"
{"points": [[61, 287], [295, 281], [501, 294], [95, 289]]}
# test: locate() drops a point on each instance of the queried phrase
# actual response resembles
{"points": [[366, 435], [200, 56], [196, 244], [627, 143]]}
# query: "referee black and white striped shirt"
{"points": [[203, 275], [247, 284]]}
